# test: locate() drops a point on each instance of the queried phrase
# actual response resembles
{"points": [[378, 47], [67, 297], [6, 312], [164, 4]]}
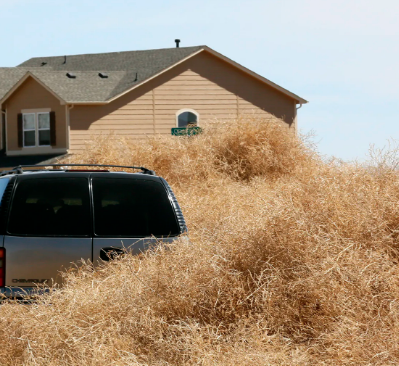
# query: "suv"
{"points": [[50, 218]]}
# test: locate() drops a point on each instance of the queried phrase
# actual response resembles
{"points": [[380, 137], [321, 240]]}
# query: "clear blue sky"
{"points": [[341, 55]]}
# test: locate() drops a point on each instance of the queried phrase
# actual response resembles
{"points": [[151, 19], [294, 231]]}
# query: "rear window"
{"points": [[132, 208], [51, 207]]}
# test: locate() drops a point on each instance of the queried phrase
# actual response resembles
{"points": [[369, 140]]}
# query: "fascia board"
{"points": [[256, 76], [85, 103]]}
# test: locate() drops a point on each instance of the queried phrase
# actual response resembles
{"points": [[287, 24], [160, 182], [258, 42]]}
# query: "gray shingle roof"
{"points": [[86, 87], [9, 76], [124, 70], [150, 60]]}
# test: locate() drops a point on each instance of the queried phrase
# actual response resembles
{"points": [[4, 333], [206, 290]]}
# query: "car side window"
{"points": [[3, 186], [51, 207], [132, 208]]}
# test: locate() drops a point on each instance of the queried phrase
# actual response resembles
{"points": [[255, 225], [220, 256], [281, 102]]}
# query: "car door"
{"points": [[132, 213], [49, 228]]}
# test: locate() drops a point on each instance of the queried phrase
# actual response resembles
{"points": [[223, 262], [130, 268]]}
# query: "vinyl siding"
{"points": [[134, 119], [204, 83], [190, 90]]}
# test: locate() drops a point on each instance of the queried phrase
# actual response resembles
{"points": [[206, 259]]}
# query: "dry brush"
{"points": [[291, 260]]}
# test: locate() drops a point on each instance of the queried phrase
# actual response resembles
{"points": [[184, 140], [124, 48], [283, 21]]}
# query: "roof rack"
{"points": [[20, 168]]}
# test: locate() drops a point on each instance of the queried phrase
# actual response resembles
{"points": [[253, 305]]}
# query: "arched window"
{"points": [[186, 118]]}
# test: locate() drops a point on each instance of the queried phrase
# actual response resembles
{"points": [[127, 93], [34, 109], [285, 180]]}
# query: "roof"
{"points": [[125, 71], [9, 76], [88, 85]]}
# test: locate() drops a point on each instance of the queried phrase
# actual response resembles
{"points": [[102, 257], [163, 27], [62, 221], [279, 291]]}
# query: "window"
{"points": [[29, 129], [132, 208], [187, 118], [51, 207], [36, 129], [43, 127], [3, 186]]}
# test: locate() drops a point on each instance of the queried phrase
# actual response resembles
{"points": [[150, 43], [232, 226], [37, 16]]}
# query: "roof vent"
{"points": [[177, 42], [43, 63], [102, 75], [71, 76]]}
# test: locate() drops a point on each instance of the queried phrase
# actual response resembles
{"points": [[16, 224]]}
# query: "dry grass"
{"points": [[292, 261]]}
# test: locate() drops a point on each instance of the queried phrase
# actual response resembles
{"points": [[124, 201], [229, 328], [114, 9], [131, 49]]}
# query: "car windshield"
{"points": [[132, 208]]}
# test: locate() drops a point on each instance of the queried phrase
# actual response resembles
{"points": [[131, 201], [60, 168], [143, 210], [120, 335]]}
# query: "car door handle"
{"points": [[110, 253]]}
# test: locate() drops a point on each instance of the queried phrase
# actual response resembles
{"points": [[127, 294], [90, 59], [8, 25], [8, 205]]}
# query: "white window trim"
{"points": [[187, 110], [36, 110], [36, 113]]}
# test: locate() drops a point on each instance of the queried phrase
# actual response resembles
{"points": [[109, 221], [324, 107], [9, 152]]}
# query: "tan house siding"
{"points": [[131, 118], [33, 96], [190, 90], [204, 83], [3, 121]]}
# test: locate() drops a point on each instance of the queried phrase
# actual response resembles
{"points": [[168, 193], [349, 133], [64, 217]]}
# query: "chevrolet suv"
{"points": [[50, 218]]}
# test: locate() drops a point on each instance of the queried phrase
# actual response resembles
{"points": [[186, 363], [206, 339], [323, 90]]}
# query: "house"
{"points": [[52, 105]]}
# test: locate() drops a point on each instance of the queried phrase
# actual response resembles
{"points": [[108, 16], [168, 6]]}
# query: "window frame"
{"points": [[36, 129], [178, 113]]}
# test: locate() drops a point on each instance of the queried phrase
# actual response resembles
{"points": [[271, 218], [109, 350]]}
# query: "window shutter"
{"points": [[20, 131], [52, 129]]}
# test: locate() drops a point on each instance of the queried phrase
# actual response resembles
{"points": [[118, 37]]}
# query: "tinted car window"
{"points": [[3, 185], [51, 207], [132, 208]]}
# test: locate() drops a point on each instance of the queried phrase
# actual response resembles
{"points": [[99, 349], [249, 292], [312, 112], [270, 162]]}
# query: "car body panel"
{"points": [[134, 246], [38, 260]]}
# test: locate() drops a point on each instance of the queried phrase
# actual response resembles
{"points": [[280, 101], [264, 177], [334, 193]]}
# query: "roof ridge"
{"points": [[74, 71], [117, 52]]}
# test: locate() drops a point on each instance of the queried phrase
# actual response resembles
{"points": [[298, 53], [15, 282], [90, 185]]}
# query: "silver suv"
{"points": [[50, 218]]}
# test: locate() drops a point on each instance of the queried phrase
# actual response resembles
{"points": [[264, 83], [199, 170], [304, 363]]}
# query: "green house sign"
{"points": [[186, 131]]}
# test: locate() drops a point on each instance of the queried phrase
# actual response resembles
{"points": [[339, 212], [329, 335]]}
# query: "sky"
{"points": [[340, 55]]}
